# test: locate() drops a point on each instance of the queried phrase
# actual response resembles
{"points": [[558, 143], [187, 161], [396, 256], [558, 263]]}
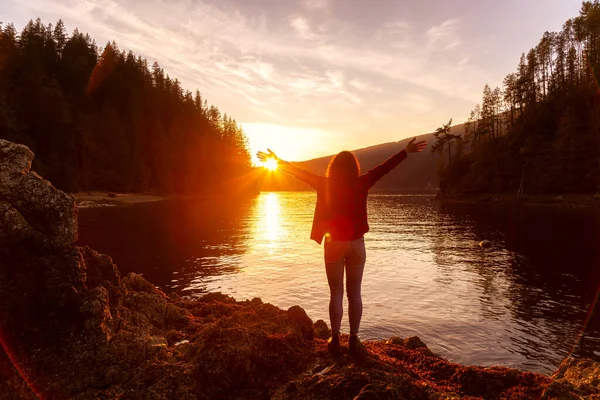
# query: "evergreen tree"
{"points": [[542, 133], [102, 119]]}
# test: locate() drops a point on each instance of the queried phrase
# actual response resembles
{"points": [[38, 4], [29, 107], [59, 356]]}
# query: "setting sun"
{"points": [[270, 164]]}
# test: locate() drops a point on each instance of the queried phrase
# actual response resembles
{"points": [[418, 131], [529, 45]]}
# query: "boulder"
{"points": [[44, 208], [580, 375], [321, 330]]}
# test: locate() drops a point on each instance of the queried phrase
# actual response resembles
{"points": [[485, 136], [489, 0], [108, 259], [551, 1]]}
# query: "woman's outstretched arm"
{"points": [[309, 178], [379, 171]]}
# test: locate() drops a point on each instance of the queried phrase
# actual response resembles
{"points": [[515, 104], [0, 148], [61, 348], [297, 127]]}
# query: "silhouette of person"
{"points": [[341, 218]]}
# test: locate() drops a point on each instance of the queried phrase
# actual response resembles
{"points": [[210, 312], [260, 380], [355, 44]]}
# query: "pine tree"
{"points": [[542, 131], [103, 119]]}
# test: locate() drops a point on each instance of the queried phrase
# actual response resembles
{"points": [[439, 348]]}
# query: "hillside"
{"points": [[417, 174]]}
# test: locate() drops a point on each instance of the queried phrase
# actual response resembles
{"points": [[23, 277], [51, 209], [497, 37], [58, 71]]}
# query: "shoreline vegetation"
{"points": [[99, 199], [539, 133], [73, 327], [110, 199]]}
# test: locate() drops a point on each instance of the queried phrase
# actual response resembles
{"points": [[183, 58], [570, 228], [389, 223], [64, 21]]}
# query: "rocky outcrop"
{"points": [[72, 328], [42, 208]]}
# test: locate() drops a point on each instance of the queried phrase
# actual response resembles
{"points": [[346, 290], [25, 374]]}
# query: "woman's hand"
{"points": [[413, 147], [262, 156]]}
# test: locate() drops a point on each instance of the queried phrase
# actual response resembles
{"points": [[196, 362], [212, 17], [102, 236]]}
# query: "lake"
{"points": [[520, 302]]}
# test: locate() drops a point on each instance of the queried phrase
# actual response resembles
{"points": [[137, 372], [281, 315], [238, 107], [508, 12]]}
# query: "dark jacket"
{"points": [[341, 212]]}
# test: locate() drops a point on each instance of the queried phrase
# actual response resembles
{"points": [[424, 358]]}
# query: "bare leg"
{"points": [[355, 265], [334, 267]]}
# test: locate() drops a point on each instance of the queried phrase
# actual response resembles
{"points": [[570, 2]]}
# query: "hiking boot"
{"points": [[355, 347], [333, 345]]}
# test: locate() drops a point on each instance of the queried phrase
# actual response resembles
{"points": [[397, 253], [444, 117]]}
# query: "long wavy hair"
{"points": [[344, 168]]}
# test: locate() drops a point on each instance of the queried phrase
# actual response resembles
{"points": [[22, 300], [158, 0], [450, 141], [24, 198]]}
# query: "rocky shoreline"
{"points": [[73, 328]]}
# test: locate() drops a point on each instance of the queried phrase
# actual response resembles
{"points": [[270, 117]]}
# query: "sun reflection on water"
{"points": [[270, 210]]}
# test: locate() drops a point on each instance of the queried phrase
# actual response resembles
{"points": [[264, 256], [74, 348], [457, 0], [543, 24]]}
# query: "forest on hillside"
{"points": [[102, 118], [540, 132]]}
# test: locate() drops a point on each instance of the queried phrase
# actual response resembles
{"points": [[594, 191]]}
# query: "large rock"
{"points": [[41, 272], [42, 207], [14, 228], [580, 375], [15, 161]]}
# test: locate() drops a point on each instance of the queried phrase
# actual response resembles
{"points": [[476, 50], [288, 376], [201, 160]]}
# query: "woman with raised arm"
{"points": [[341, 218]]}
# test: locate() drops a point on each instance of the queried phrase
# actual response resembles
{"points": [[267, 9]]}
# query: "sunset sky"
{"points": [[309, 78]]}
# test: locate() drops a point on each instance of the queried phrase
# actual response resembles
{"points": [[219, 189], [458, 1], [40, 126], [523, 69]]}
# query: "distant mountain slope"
{"points": [[418, 173]]}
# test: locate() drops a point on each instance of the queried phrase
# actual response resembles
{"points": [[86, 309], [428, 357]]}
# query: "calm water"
{"points": [[521, 302]]}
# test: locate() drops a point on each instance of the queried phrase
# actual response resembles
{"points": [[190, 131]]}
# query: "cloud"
{"points": [[202, 34], [316, 4], [443, 37], [364, 86], [315, 69], [336, 78], [302, 28], [397, 34]]}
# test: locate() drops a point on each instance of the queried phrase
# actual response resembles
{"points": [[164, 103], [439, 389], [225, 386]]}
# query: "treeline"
{"points": [[540, 132], [102, 118]]}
